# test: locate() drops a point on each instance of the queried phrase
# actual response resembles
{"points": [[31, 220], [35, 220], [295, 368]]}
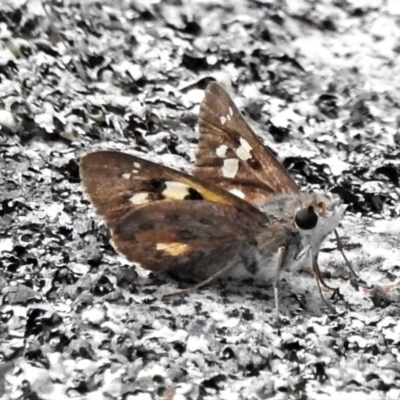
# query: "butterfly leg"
{"points": [[317, 273], [279, 262], [200, 285], [340, 248], [355, 281]]}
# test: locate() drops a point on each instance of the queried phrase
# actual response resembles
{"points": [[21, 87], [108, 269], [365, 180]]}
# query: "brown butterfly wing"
{"points": [[178, 234], [163, 218], [231, 155]]}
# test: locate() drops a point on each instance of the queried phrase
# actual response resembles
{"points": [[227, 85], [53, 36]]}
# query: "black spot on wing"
{"points": [[156, 185], [254, 164], [193, 194]]}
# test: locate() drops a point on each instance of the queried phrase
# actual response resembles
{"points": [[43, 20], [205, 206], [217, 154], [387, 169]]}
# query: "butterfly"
{"points": [[239, 213]]}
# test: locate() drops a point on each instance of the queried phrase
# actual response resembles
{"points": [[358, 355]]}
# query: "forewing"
{"points": [[231, 155], [163, 218]]}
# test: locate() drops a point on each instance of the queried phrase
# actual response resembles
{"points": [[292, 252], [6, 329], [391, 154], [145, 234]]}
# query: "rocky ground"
{"points": [[319, 81]]}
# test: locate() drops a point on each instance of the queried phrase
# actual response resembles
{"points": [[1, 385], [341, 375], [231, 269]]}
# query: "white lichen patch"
{"points": [[223, 120]]}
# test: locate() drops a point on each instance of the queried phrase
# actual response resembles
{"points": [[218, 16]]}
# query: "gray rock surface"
{"points": [[319, 82]]}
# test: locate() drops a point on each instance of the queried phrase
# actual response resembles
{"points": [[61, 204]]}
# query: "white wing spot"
{"points": [[237, 193], [175, 190], [136, 167], [231, 111], [139, 198], [243, 152], [230, 167], [221, 151], [223, 120], [245, 144], [228, 117], [126, 176]]}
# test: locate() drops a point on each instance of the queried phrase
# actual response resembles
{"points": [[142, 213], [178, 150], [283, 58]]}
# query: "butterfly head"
{"points": [[316, 217], [308, 217], [301, 222]]}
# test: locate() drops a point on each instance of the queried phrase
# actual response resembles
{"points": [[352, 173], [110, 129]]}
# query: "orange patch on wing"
{"points": [[174, 248]]}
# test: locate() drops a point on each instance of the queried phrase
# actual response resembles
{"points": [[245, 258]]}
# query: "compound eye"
{"points": [[306, 218]]}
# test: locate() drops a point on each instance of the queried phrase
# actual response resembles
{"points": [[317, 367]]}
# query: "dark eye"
{"points": [[306, 218]]}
